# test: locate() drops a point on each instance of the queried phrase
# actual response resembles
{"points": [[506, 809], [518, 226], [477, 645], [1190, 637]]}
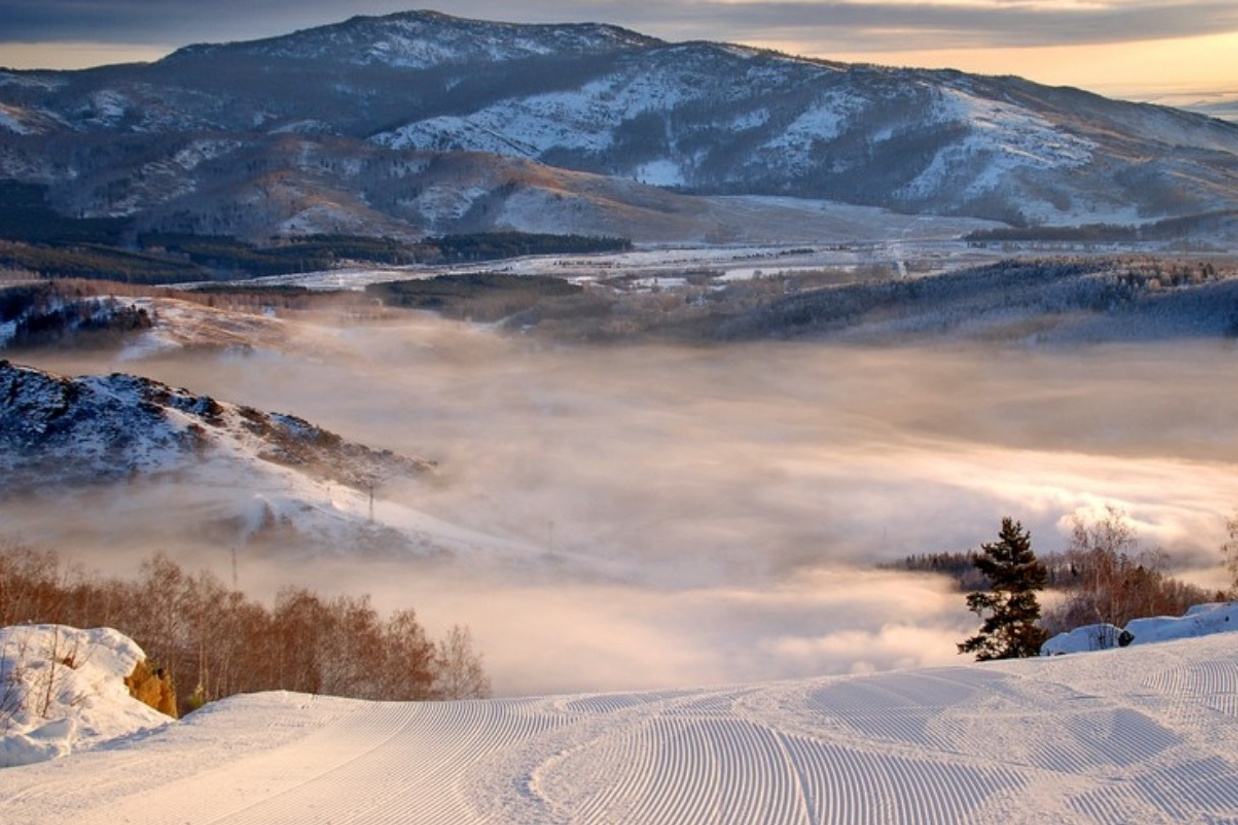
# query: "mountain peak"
{"points": [[426, 39], [398, 93]]}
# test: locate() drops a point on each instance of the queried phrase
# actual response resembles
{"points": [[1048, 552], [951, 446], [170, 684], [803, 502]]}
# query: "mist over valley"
{"points": [[653, 514]]}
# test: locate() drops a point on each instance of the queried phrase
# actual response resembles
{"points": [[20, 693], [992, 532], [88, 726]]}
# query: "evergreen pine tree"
{"points": [[1009, 608]]}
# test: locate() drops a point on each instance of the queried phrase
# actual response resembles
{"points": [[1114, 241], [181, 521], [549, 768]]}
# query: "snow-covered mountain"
{"points": [[349, 128]]}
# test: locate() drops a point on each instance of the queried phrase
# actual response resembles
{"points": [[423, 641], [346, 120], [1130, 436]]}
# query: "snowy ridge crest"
{"points": [[427, 39], [102, 428]]}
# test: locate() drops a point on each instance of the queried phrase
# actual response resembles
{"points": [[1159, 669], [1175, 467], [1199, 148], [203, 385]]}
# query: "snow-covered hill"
{"points": [[341, 128], [1145, 735], [233, 474], [212, 473], [99, 428]]}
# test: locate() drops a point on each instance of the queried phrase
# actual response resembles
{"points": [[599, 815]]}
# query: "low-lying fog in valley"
{"points": [[667, 517]]}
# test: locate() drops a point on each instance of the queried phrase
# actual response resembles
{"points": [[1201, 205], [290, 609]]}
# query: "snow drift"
{"points": [[1200, 620], [63, 689]]}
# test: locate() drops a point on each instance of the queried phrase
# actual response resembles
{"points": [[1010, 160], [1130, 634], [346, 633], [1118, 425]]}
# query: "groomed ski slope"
{"points": [[1141, 735]]}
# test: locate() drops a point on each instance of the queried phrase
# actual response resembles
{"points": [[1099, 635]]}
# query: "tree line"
{"points": [[36, 238], [481, 296], [215, 641], [47, 312]]}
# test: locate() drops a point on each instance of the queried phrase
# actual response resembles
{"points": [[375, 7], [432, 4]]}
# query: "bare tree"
{"points": [[353, 653], [1112, 579], [31, 585], [161, 611], [460, 673], [411, 665], [1230, 550], [300, 622], [215, 642]]}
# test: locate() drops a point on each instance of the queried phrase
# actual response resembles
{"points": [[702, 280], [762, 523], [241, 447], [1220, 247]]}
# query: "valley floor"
{"points": [[1144, 735]]}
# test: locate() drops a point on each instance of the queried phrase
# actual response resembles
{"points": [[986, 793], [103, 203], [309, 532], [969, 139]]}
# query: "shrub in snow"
{"points": [[63, 689], [152, 686]]}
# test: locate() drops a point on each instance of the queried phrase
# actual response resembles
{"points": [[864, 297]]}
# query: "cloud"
{"points": [[829, 25], [566, 637], [900, 26], [171, 22], [714, 514]]}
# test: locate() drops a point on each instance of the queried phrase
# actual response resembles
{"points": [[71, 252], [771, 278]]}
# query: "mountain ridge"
{"points": [[194, 140], [430, 34]]}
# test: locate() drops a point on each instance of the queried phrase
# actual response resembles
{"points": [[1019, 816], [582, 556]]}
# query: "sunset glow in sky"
{"points": [[1140, 49]]}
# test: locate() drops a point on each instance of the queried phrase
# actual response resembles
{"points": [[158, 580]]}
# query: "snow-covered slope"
{"points": [[233, 474], [703, 118], [1143, 735], [223, 474], [98, 428]]}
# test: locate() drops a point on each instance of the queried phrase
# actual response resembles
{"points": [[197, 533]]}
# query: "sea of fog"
{"points": [[706, 515]]}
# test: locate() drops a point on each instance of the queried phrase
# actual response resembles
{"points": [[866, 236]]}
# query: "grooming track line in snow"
{"points": [[1144, 734]]}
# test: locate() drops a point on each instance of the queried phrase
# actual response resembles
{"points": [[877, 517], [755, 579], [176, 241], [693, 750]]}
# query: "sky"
{"points": [[1138, 49]]}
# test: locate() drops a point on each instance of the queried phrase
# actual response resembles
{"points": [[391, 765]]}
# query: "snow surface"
{"points": [[62, 689], [10, 121], [528, 128], [108, 106], [1200, 620], [823, 121], [1009, 138], [1142, 735]]}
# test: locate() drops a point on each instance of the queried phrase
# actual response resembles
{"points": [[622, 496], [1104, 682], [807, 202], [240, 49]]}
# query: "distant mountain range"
{"points": [[419, 123]]}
